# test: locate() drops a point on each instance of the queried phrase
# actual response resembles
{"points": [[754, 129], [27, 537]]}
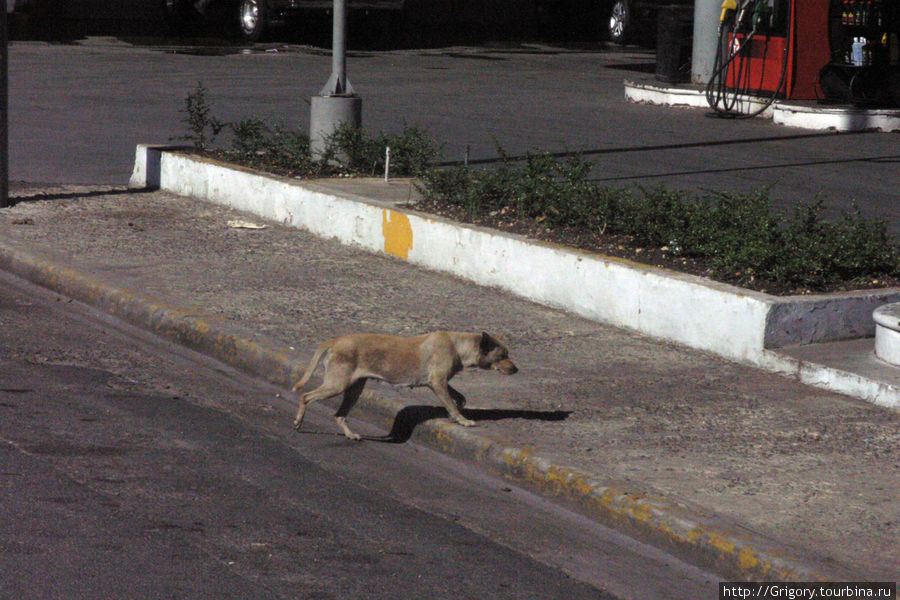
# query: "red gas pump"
{"points": [[771, 49]]}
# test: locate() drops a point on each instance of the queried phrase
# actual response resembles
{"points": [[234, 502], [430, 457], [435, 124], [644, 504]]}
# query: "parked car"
{"points": [[621, 20], [253, 18], [628, 18]]}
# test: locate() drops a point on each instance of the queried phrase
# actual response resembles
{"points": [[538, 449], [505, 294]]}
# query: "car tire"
{"points": [[619, 24], [253, 19]]}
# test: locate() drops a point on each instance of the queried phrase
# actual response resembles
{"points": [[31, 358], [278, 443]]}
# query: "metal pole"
{"points": [[339, 46], [337, 84], [4, 109], [706, 39], [336, 105]]}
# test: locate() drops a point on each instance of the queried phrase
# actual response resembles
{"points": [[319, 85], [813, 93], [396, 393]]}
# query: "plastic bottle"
{"points": [[856, 52]]}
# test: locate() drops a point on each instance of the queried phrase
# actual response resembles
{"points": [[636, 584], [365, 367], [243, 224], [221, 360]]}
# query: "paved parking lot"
{"points": [[78, 109]]}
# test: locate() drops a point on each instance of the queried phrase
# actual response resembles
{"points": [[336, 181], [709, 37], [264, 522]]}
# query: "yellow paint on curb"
{"points": [[721, 543], [640, 510], [398, 235], [747, 559]]}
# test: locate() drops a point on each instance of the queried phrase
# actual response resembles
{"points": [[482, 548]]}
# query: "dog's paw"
{"points": [[466, 422], [353, 436]]}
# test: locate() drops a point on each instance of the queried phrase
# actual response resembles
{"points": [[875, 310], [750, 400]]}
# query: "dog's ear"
{"points": [[488, 343]]}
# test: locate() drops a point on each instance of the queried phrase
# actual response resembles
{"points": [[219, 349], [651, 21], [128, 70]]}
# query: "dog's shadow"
{"points": [[411, 417]]}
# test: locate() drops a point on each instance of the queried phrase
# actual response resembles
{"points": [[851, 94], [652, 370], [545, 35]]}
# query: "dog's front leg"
{"points": [[458, 398], [442, 391]]}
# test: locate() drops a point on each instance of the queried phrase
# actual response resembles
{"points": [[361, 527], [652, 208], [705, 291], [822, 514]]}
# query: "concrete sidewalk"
{"points": [[749, 473]]}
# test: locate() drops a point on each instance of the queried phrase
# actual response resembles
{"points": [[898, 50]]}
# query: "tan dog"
{"points": [[426, 360]]}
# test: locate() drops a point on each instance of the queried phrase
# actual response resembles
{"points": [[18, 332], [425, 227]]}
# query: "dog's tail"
{"points": [[320, 351]]}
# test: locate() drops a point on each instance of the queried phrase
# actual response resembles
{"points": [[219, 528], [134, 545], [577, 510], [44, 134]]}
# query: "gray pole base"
{"points": [[327, 113], [706, 39]]}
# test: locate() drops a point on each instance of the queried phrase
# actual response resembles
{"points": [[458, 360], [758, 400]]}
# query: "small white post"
{"points": [[387, 163]]}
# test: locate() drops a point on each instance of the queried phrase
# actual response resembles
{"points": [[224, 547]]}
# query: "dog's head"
{"points": [[494, 355]]}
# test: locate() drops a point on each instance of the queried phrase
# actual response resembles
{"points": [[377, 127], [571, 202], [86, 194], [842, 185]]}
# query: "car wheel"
{"points": [[253, 16], [619, 21]]}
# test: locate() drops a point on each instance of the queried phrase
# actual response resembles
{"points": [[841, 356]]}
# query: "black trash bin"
{"points": [[674, 34]]}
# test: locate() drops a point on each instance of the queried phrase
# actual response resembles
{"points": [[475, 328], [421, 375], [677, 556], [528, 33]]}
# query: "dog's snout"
{"points": [[507, 367]]}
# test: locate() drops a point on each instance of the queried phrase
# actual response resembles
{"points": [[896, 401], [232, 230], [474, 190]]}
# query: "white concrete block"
{"points": [[715, 317]]}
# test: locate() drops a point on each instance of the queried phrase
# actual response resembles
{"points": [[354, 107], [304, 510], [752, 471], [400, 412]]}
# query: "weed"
{"points": [[203, 128]]}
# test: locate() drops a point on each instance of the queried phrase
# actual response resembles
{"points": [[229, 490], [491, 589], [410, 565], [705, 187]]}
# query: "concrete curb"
{"points": [[805, 116], [700, 539], [690, 97], [833, 379], [732, 322]]}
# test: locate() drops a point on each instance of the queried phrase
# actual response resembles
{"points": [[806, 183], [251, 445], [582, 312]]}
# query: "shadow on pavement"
{"points": [[18, 196], [410, 417]]}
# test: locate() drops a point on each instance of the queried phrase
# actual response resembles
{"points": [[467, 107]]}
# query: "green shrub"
{"points": [[255, 144], [558, 192], [412, 151], [348, 151], [250, 141], [740, 237]]}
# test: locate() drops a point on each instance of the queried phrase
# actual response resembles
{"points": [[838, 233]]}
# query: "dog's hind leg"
{"points": [[351, 395], [323, 392]]}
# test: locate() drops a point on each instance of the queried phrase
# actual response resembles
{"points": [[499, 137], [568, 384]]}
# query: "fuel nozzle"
{"points": [[762, 16], [728, 9]]}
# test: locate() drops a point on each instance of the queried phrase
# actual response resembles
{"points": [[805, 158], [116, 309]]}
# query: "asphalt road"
{"points": [[133, 468], [77, 110]]}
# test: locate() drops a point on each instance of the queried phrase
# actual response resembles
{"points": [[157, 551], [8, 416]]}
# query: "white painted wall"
{"points": [[729, 321]]}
